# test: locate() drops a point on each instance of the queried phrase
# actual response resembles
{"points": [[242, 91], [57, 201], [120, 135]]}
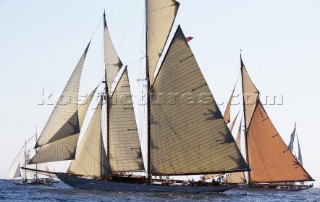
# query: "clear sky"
{"points": [[41, 42]]}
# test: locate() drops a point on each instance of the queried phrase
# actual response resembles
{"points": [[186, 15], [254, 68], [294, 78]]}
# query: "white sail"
{"points": [[188, 132], [160, 18], [14, 170], [58, 140], [91, 157], [83, 108], [64, 121], [125, 150], [293, 134], [112, 60], [299, 152]]}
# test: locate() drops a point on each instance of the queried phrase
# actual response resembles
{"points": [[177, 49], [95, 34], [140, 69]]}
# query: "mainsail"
{"points": [[269, 157], [188, 132], [160, 18], [91, 157], [59, 137], [125, 150]]}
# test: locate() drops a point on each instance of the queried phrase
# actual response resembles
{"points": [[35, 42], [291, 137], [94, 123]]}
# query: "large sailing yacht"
{"points": [[185, 136]]}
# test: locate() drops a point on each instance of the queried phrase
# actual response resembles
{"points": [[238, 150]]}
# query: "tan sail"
{"points": [[64, 121], [91, 157], [125, 150], [233, 122], [238, 139], [250, 94], [188, 132], [83, 108], [112, 60], [270, 159], [227, 111], [63, 149], [160, 18]]}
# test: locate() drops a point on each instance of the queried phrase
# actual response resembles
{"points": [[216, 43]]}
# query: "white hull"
{"points": [[93, 184]]}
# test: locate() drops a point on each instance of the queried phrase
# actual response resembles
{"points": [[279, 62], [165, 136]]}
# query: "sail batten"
{"points": [[160, 17], [192, 126], [125, 149]]}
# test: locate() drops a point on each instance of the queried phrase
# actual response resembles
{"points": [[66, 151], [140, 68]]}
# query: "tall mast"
{"points": [[107, 101], [245, 121], [25, 159], [36, 153], [148, 100]]}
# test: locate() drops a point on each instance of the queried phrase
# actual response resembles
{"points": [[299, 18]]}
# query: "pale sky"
{"points": [[41, 42]]}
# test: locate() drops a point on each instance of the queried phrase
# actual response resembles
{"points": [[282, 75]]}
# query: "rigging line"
{"points": [[130, 22], [95, 31], [138, 60], [131, 41]]}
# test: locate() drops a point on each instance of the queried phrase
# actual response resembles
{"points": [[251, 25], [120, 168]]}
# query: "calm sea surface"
{"points": [[61, 192]]}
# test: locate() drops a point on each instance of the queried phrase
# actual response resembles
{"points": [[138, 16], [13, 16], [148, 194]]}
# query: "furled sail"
{"points": [[269, 157], [233, 123], [160, 18], [112, 60], [227, 112], [250, 94], [125, 150], [58, 140], [64, 121], [14, 170], [83, 108], [91, 157], [188, 132]]}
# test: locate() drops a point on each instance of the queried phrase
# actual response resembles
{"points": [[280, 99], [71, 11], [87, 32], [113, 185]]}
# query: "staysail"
{"points": [[299, 152], [293, 134], [59, 137], [112, 60], [233, 122], [228, 108], [187, 124], [269, 157], [160, 18], [125, 150], [91, 157], [83, 108]]}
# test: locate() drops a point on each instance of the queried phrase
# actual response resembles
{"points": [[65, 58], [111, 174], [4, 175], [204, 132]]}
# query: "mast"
{"points": [[36, 153], [245, 121], [148, 100], [25, 159], [107, 102]]}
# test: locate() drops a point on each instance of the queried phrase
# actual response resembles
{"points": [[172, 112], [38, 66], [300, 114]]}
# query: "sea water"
{"points": [[61, 192]]}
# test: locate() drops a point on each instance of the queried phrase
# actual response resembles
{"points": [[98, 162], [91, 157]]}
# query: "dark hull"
{"points": [[274, 187], [93, 184]]}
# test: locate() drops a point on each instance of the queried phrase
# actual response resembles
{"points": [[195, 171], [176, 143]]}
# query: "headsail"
{"points": [[269, 157], [160, 18], [299, 152], [125, 150], [14, 170], [91, 157], [293, 134], [59, 137], [227, 111], [234, 122], [112, 60], [188, 132], [83, 108]]}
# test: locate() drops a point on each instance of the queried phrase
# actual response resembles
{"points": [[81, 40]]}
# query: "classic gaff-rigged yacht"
{"points": [[183, 139], [271, 161]]}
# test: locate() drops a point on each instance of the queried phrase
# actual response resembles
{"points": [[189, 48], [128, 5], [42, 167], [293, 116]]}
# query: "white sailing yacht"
{"points": [[186, 136]]}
